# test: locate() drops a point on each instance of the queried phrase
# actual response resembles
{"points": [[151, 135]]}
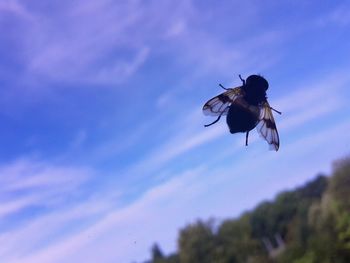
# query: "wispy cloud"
{"points": [[122, 70], [86, 41], [125, 226], [143, 152], [29, 183], [79, 41], [52, 227], [14, 6], [128, 239], [304, 104]]}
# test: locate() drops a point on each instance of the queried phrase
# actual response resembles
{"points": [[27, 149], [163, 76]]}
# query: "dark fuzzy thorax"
{"points": [[255, 89]]}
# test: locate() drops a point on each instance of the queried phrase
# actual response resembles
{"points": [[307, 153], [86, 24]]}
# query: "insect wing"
{"points": [[219, 105], [267, 127]]}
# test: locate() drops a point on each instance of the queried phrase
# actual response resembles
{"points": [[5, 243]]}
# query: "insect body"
{"points": [[246, 107]]}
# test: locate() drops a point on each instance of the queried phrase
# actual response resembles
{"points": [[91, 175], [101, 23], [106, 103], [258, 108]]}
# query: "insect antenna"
{"points": [[242, 79], [207, 125], [223, 87], [246, 138], [275, 110]]}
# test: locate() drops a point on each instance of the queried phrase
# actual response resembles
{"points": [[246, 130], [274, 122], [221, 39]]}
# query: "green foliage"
{"points": [[308, 225], [158, 256], [236, 242], [197, 243], [308, 257]]}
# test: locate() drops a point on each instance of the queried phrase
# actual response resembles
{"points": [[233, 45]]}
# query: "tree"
{"points": [[157, 254], [197, 243], [311, 222], [237, 243]]}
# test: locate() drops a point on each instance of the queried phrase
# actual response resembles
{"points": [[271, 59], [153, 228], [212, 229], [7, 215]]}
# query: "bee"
{"points": [[246, 107]]}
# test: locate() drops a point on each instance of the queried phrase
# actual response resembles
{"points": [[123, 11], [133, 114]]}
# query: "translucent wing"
{"points": [[267, 127], [219, 105]]}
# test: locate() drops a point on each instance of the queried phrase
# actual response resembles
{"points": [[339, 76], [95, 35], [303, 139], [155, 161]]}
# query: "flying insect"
{"points": [[245, 108]]}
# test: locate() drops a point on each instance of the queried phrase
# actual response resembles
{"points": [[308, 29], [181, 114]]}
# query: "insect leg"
{"points": [[207, 125], [246, 138], [275, 110], [223, 87], [242, 79]]}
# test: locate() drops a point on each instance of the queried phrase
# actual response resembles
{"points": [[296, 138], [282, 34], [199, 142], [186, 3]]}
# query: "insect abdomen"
{"points": [[240, 120]]}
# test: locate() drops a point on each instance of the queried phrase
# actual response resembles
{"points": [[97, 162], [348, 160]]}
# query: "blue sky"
{"points": [[103, 150]]}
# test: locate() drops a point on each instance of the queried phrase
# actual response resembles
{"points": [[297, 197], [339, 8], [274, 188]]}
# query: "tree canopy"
{"points": [[310, 224]]}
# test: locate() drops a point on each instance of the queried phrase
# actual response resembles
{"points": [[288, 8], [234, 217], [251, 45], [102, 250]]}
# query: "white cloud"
{"points": [[27, 183], [303, 104], [122, 70], [14, 7], [176, 29], [125, 234], [16, 205], [67, 43], [115, 233], [315, 91], [93, 41], [52, 227], [25, 174], [99, 229], [313, 111]]}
